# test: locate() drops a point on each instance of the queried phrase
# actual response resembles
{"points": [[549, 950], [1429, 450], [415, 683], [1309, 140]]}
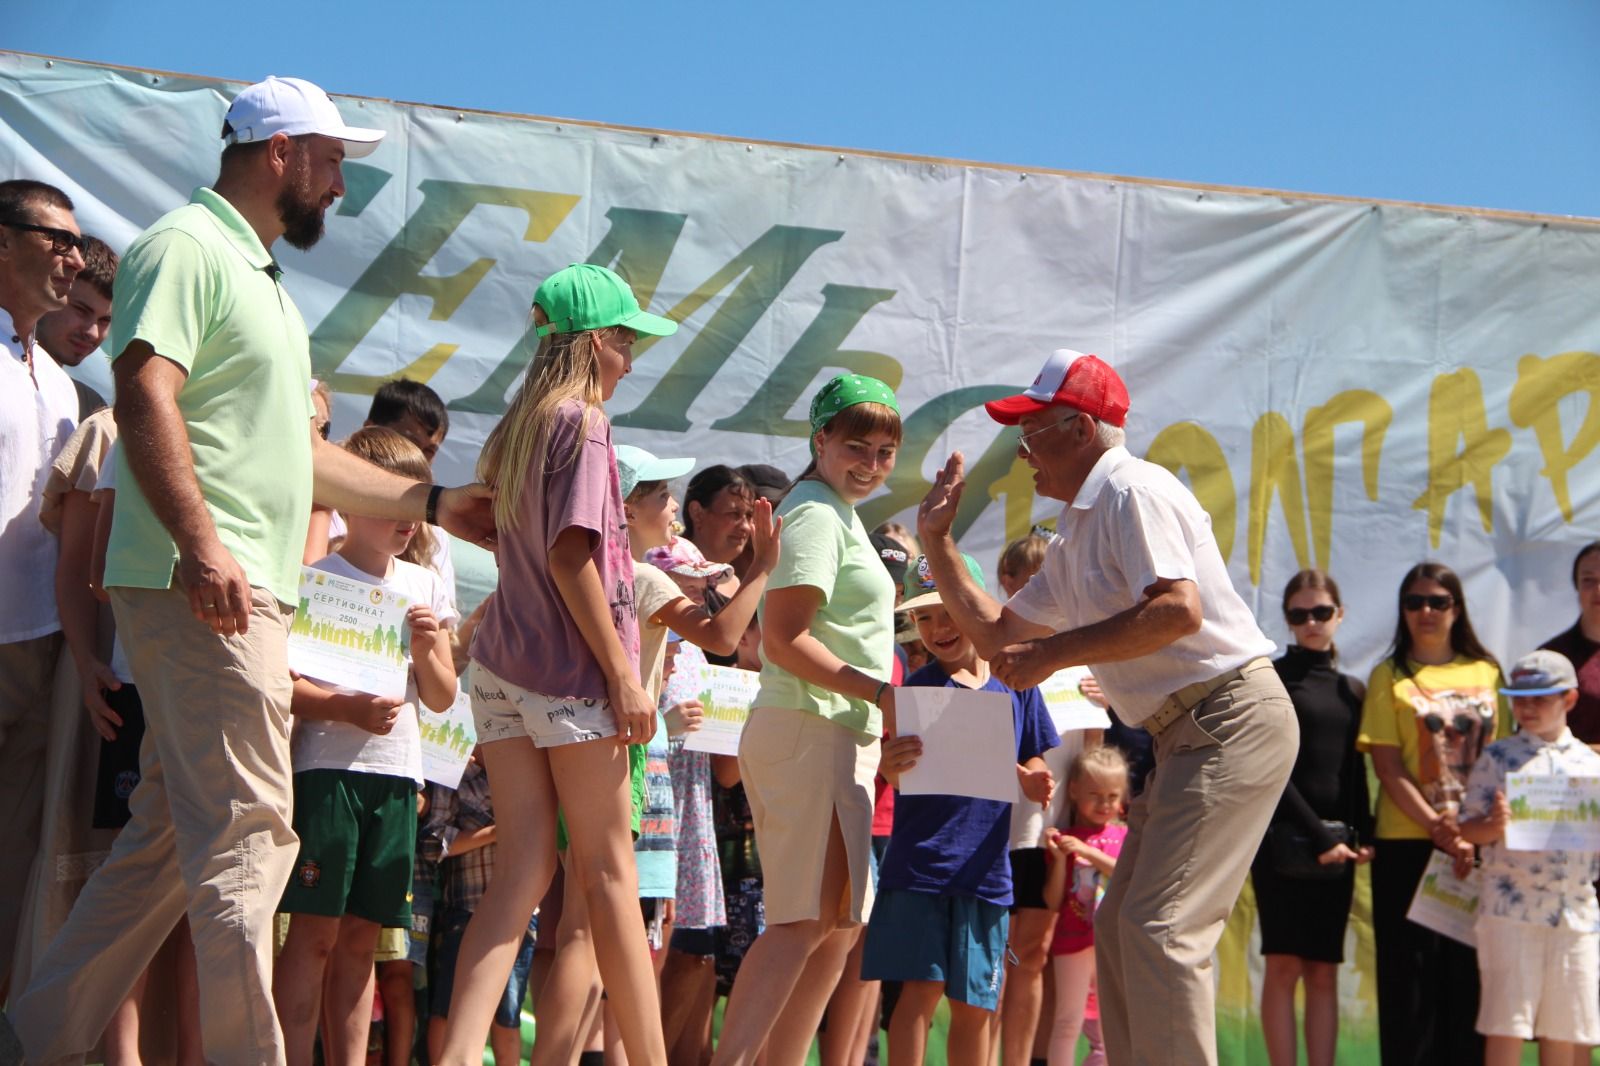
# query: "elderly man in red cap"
{"points": [[1134, 587]]}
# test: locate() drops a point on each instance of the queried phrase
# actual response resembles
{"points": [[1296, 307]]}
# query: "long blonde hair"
{"points": [[388, 450], [565, 368]]}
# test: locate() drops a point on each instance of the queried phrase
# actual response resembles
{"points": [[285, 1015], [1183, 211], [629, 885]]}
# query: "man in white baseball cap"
{"points": [[216, 474]]}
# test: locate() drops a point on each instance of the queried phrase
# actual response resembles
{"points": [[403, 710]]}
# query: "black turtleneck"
{"points": [[1330, 778]]}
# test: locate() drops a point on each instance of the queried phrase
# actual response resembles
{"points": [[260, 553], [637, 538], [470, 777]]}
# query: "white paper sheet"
{"points": [[351, 634], [969, 743], [727, 696], [447, 741], [1068, 707], [1553, 812], [1445, 904]]}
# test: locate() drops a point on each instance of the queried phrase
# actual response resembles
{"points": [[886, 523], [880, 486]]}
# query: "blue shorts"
{"points": [[957, 940], [451, 925]]}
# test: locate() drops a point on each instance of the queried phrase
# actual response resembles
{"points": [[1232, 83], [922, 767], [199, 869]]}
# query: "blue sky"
{"points": [[1481, 103]]}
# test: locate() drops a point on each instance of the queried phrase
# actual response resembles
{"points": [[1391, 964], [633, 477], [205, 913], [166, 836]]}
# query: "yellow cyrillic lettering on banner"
{"points": [[1354, 405], [1535, 402], [1274, 467], [1456, 416], [1188, 447], [1016, 488]]}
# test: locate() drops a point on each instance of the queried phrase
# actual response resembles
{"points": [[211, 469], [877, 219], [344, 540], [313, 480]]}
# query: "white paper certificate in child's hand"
{"points": [[969, 743], [350, 634], [1553, 812]]}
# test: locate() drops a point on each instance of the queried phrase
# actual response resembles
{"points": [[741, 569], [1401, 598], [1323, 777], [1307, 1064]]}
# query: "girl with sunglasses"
{"points": [[1304, 874], [1430, 709]]}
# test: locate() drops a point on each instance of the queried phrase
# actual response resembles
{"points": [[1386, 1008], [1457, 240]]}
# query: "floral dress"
{"points": [[700, 899]]}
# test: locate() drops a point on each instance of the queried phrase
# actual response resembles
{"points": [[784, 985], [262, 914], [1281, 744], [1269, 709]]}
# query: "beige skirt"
{"points": [[801, 770]]}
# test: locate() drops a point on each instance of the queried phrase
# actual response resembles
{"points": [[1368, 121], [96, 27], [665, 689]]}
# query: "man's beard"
{"points": [[299, 211]]}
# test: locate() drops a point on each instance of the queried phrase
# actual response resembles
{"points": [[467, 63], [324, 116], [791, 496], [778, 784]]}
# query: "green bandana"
{"points": [[847, 390]]}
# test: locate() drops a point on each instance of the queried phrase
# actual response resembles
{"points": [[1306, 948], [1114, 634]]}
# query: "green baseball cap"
{"points": [[919, 586], [585, 296]]}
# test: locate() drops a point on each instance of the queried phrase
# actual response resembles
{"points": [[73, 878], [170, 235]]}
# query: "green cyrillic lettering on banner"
{"points": [[362, 183], [843, 306], [637, 246], [397, 271], [761, 271]]}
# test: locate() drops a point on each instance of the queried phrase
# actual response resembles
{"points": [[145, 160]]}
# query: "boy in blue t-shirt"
{"points": [[940, 919]]}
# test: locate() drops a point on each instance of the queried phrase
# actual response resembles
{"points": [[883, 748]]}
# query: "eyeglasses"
{"points": [[1299, 616], [324, 428], [1022, 442], [1416, 602], [62, 241]]}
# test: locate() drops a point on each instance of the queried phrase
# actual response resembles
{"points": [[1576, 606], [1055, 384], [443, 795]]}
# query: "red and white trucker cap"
{"points": [[1069, 379]]}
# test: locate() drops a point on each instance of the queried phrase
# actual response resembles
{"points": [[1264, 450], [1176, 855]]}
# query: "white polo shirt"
{"points": [[38, 412], [1131, 524]]}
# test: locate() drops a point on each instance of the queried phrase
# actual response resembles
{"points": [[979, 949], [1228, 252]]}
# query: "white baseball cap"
{"points": [[296, 107]]}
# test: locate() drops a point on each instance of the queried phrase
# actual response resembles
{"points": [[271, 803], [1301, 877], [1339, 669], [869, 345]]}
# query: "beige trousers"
{"points": [[27, 679], [211, 835], [1191, 836]]}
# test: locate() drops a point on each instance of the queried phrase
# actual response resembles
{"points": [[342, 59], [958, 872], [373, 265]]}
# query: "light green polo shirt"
{"points": [[200, 289], [824, 545]]}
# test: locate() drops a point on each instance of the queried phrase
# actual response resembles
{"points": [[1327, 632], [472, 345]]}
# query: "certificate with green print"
{"points": [[726, 694], [1553, 812], [350, 634]]}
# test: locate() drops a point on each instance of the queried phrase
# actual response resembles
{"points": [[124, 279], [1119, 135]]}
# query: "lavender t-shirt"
{"points": [[527, 636]]}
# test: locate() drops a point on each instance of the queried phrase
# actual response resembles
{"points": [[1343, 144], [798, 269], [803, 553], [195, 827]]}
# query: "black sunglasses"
{"points": [[62, 241], [1299, 616], [1416, 601]]}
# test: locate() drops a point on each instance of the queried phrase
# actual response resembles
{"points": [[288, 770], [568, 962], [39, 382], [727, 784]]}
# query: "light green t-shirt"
{"points": [[824, 545], [200, 289]]}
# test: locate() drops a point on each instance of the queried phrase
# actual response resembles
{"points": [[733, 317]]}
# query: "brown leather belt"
{"points": [[1187, 698]]}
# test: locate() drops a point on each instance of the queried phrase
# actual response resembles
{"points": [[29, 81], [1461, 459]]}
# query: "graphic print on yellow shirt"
{"points": [[1452, 729], [1441, 718]]}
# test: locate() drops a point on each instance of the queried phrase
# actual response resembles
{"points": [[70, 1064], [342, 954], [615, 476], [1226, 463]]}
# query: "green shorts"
{"points": [[358, 837]]}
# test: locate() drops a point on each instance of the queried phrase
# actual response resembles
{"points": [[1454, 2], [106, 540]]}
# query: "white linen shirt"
{"points": [[38, 412], [1554, 888], [1133, 523]]}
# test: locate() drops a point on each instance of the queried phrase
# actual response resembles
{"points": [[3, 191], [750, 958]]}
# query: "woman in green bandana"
{"points": [[810, 749]]}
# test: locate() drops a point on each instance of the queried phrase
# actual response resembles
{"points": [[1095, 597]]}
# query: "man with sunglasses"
{"points": [[40, 254], [1135, 588]]}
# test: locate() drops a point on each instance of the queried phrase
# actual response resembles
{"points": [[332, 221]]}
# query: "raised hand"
{"points": [[764, 531], [937, 512]]}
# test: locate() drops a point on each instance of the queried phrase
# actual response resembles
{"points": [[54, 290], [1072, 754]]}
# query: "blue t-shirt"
{"points": [[956, 845]]}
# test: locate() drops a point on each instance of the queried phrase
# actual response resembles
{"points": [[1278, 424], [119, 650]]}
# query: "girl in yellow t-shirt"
{"points": [[1431, 707]]}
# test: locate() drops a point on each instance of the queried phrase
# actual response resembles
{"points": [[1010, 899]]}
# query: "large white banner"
{"points": [[1346, 384]]}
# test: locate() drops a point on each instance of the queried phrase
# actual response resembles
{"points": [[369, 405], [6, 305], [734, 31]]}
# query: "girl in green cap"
{"points": [[556, 692], [809, 752]]}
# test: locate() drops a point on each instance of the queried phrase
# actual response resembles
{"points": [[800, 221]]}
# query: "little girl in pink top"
{"points": [[1081, 859]]}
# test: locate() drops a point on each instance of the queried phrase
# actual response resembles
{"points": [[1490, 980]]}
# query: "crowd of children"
{"points": [[644, 873]]}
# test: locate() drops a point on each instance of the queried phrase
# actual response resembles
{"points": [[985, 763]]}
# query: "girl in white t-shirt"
{"points": [[357, 769]]}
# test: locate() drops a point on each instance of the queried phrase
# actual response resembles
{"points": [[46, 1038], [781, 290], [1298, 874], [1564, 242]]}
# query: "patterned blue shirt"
{"points": [[1554, 888]]}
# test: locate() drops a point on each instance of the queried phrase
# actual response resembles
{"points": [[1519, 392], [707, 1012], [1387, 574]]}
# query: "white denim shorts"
{"points": [[502, 710]]}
